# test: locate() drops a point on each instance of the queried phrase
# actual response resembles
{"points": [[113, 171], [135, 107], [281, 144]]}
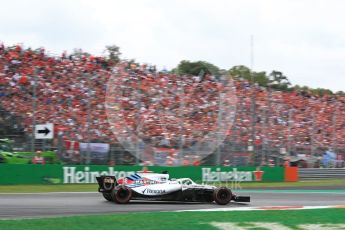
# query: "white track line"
{"points": [[263, 208]]}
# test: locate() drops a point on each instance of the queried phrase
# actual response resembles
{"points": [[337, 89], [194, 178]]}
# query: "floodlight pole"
{"points": [[182, 105], [253, 98], [88, 151], [34, 108], [220, 112], [269, 100], [290, 122], [251, 52], [312, 136], [334, 124], [137, 146]]}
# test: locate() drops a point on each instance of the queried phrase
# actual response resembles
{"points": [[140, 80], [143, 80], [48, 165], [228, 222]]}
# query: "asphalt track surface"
{"points": [[30, 205]]}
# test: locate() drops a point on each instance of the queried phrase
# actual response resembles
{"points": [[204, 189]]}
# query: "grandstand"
{"points": [[71, 92], [10, 125]]}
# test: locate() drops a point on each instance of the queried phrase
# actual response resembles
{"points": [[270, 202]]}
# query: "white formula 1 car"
{"points": [[158, 187]]}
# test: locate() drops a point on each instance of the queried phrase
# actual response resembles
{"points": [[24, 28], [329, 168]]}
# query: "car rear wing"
{"points": [[106, 183]]}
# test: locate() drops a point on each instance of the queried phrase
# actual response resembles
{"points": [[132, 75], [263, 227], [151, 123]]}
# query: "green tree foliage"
{"points": [[195, 68], [275, 80], [80, 53], [278, 80], [318, 91], [322, 92], [113, 53], [340, 93], [241, 71], [244, 72]]}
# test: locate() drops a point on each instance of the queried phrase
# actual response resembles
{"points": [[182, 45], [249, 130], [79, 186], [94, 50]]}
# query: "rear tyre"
{"points": [[122, 194], [108, 196], [222, 195]]}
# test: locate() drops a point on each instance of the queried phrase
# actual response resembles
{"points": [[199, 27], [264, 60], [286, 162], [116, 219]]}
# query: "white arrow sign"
{"points": [[44, 131]]}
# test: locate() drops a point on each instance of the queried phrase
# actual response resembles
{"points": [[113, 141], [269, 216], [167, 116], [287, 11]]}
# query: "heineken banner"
{"points": [[63, 174]]}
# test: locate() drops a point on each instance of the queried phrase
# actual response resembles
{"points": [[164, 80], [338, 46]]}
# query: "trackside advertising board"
{"points": [[63, 174]]}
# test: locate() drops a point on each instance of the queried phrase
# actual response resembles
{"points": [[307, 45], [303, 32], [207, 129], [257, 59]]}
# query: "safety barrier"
{"points": [[57, 174], [321, 173]]}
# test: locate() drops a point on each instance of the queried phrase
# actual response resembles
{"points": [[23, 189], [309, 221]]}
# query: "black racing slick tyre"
{"points": [[222, 195], [122, 194], [108, 196]]}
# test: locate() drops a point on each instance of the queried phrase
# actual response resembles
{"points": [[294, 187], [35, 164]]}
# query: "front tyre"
{"points": [[222, 195], [122, 194]]}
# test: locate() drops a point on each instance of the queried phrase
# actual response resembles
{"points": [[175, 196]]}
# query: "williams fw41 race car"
{"points": [[158, 187]]}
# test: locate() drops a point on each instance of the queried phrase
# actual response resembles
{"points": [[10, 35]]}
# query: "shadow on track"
{"points": [[144, 202]]}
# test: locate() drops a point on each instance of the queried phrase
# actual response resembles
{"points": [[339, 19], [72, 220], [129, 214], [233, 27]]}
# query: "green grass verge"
{"points": [[93, 187], [48, 188], [182, 220]]}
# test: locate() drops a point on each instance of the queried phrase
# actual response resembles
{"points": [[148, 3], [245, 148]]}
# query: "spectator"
{"points": [[38, 159], [226, 163]]}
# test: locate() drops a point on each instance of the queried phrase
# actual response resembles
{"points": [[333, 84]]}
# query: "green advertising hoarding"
{"points": [[56, 174], [30, 174]]}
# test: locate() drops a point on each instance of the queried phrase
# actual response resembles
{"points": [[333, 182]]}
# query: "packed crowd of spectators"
{"points": [[163, 109], [65, 87], [166, 110], [290, 120]]}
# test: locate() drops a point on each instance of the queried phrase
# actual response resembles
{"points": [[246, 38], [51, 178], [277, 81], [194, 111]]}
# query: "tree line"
{"points": [[275, 79]]}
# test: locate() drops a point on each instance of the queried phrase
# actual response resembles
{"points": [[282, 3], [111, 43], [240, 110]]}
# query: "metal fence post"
{"points": [[34, 108], [88, 151]]}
